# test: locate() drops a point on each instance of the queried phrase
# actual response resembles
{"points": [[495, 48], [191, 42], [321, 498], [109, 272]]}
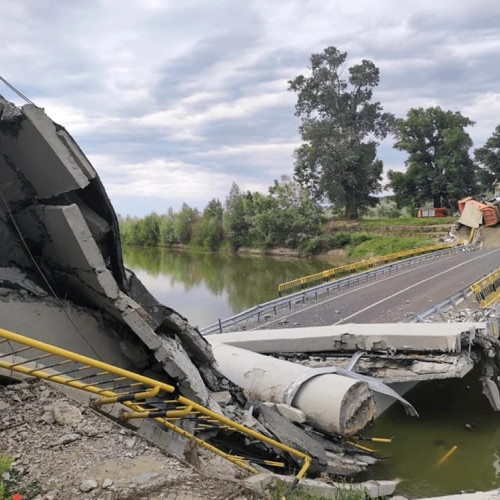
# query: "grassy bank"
{"points": [[361, 245], [356, 240], [407, 221]]}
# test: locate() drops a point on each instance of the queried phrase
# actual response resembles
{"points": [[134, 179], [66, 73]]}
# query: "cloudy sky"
{"points": [[173, 100]]}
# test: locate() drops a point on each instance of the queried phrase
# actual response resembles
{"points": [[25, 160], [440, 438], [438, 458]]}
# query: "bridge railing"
{"points": [[487, 289], [272, 307], [337, 272], [144, 396]]}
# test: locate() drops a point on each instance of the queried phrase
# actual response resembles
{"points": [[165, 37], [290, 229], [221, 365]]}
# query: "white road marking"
{"points": [[373, 283], [409, 288]]}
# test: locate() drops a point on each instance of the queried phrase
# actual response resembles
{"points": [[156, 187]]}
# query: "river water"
{"points": [[204, 287]]}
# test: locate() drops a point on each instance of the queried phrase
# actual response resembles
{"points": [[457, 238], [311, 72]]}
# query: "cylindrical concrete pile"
{"points": [[333, 404]]}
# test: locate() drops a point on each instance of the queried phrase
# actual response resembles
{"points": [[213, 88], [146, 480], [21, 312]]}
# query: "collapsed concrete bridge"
{"points": [[62, 281]]}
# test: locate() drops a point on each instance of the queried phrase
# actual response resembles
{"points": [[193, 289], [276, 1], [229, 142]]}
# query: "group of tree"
{"points": [[340, 129], [287, 216], [336, 166]]}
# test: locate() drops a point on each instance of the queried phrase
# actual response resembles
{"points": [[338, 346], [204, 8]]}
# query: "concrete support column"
{"points": [[333, 404]]}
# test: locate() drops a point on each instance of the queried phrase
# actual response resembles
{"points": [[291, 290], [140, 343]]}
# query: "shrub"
{"points": [[358, 238], [339, 240], [312, 246]]}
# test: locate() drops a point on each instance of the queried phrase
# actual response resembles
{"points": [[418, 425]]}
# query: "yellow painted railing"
{"points": [[487, 289], [363, 265], [146, 397]]}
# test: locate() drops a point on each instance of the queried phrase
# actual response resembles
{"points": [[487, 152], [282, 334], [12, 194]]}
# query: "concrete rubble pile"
{"points": [[62, 281]]}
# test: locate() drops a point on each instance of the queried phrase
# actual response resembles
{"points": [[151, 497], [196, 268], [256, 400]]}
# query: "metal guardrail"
{"points": [[273, 306], [442, 307], [146, 397], [487, 289], [331, 274]]}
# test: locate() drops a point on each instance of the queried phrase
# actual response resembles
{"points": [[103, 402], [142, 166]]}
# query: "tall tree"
{"points": [[236, 225], [337, 158], [184, 223], [488, 159], [439, 168], [286, 217], [208, 231]]}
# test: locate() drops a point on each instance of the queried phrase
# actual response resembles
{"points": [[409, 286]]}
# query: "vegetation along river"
{"points": [[204, 287]]}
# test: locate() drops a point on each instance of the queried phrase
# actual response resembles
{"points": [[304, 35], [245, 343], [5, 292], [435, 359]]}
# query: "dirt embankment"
{"points": [[491, 236]]}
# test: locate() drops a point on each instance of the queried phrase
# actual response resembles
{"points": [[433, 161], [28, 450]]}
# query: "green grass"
{"points": [[384, 245], [6, 491], [350, 491], [10, 482], [407, 221]]}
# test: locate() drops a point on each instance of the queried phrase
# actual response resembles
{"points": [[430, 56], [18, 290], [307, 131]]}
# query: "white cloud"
{"points": [[167, 182], [172, 97]]}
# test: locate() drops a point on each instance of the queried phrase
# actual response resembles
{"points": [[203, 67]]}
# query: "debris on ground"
{"points": [[63, 449]]}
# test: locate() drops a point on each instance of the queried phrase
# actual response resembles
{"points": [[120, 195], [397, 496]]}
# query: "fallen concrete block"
{"points": [[291, 413], [332, 403], [47, 164]]}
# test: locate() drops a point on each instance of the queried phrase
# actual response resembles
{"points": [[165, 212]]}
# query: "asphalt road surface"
{"points": [[397, 297]]}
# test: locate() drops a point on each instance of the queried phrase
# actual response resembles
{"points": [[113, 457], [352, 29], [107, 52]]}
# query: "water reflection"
{"points": [[204, 287]]}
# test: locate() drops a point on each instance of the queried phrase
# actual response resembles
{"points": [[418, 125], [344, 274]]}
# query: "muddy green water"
{"points": [[452, 413], [205, 287]]}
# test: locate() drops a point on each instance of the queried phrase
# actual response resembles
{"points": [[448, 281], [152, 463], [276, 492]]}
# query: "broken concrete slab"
{"points": [[393, 337], [332, 403], [70, 327], [372, 489], [58, 211], [291, 435], [478, 495], [48, 165]]}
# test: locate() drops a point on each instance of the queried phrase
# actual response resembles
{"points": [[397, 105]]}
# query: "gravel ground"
{"points": [[65, 450]]}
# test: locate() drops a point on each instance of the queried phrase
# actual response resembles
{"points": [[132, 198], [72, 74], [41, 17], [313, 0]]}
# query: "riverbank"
{"points": [[332, 234]]}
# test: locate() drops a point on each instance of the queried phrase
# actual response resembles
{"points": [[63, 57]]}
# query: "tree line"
{"points": [[286, 217], [336, 166]]}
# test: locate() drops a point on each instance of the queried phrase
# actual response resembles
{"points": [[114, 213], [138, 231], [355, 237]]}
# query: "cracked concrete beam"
{"points": [[394, 337], [40, 155], [72, 247]]}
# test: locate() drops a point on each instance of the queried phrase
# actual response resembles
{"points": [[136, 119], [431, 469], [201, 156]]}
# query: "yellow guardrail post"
{"points": [[487, 290], [130, 399], [330, 274]]}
